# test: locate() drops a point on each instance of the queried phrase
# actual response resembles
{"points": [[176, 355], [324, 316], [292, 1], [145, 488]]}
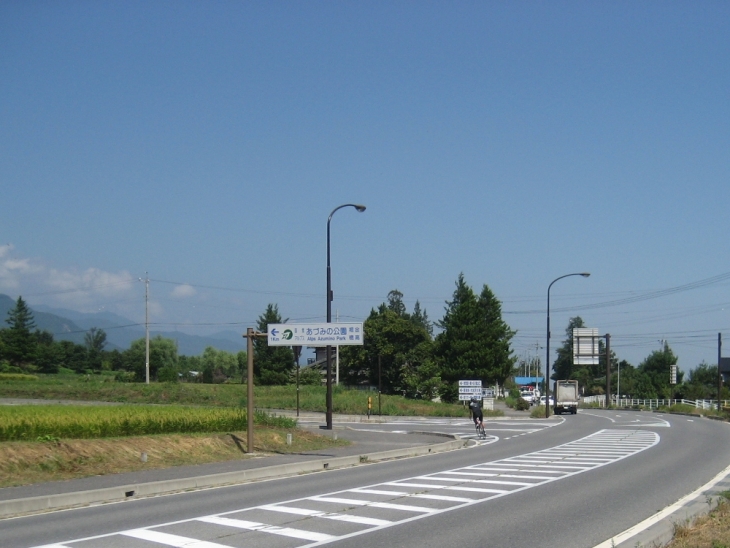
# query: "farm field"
{"points": [[312, 398]]}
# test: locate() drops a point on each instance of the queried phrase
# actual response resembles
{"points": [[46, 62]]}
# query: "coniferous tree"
{"points": [[475, 341], [420, 317], [272, 365], [20, 344]]}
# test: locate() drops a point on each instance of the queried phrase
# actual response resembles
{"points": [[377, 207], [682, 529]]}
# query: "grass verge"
{"points": [[24, 463], [710, 531]]}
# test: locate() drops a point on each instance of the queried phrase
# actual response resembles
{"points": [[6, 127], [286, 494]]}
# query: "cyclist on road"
{"points": [[476, 412]]}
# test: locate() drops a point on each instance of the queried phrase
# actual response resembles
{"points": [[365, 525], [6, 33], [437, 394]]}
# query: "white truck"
{"points": [[566, 397]]}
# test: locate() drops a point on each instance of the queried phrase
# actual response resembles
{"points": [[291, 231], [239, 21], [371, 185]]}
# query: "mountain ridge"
{"points": [[70, 325]]}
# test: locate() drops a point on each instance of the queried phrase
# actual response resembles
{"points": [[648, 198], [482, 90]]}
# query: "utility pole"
{"points": [[608, 370], [147, 327], [719, 374]]}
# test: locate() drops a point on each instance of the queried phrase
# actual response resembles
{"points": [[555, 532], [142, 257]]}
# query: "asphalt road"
{"points": [[576, 483]]}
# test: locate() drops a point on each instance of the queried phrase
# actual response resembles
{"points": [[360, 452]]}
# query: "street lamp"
{"points": [[360, 208], [547, 359]]}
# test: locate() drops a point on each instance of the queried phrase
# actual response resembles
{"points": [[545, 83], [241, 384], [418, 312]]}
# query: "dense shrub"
{"points": [[521, 404]]}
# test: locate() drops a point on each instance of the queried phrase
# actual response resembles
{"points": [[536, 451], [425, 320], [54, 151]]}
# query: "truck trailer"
{"points": [[566, 397]]}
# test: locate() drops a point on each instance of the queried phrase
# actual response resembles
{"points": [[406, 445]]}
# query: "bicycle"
{"points": [[481, 434]]}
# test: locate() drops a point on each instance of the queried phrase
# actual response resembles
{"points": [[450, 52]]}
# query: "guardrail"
{"points": [[652, 403]]}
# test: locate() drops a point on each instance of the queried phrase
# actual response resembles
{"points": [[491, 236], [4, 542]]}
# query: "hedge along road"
{"points": [[579, 494]]}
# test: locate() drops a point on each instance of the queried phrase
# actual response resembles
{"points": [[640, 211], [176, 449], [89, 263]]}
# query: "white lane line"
{"points": [[264, 528], [171, 540]]}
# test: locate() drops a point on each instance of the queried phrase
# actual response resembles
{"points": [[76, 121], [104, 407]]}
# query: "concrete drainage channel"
{"points": [[46, 503]]}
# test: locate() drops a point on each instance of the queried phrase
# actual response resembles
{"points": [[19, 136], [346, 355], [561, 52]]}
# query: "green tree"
{"points": [[420, 317], [218, 365], [190, 367], [624, 379], [393, 344], [563, 366], [701, 384], [272, 364], [163, 353], [95, 341], [72, 356], [475, 341], [591, 378], [654, 374], [47, 353], [20, 344]]}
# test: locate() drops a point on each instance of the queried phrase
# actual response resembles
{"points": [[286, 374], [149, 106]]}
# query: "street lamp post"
{"points": [[359, 208], [547, 359]]}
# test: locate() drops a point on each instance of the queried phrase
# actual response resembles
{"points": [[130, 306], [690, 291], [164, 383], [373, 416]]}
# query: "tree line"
{"points": [[400, 354], [649, 380]]}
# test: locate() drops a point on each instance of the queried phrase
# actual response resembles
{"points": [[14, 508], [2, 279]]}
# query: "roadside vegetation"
{"points": [[710, 531], [104, 388], [51, 422], [29, 462]]}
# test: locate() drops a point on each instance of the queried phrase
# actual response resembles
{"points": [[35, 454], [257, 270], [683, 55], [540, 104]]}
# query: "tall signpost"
{"points": [[250, 335], [317, 334]]}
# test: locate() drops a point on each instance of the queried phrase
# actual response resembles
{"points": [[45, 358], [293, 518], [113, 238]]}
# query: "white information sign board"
{"points": [[469, 389], [470, 383], [585, 346], [315, 334]]}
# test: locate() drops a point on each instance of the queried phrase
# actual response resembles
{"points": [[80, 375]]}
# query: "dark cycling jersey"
{"points": [[477, 411]]}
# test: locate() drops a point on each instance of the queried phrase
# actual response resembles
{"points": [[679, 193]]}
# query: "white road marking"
{"points": [[171, 540], [274, 530], [538, 468]]}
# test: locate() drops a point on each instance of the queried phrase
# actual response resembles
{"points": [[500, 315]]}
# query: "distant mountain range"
{"points": [[69, 325]]}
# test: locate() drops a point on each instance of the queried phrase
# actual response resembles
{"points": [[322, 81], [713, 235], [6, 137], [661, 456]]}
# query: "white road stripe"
{"points": [[451, 488], [171, 540], [380, 492], [262, 527], [443, 497], [385, 505]]}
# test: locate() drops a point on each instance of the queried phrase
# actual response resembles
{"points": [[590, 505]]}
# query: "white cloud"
{"points": [[80, 289], [183, 291]]}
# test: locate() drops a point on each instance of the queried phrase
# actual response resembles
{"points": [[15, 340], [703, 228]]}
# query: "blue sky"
{"points": [[207, 142]]}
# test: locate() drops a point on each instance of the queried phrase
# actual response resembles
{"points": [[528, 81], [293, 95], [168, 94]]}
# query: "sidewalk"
{"points": [[365, 447]]}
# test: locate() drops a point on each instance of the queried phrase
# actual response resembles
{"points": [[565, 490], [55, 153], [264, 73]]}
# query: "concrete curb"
{"points": [[31, 505]]}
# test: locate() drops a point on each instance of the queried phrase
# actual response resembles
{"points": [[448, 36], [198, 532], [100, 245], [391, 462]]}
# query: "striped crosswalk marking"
{"points": [[312, 521]]}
